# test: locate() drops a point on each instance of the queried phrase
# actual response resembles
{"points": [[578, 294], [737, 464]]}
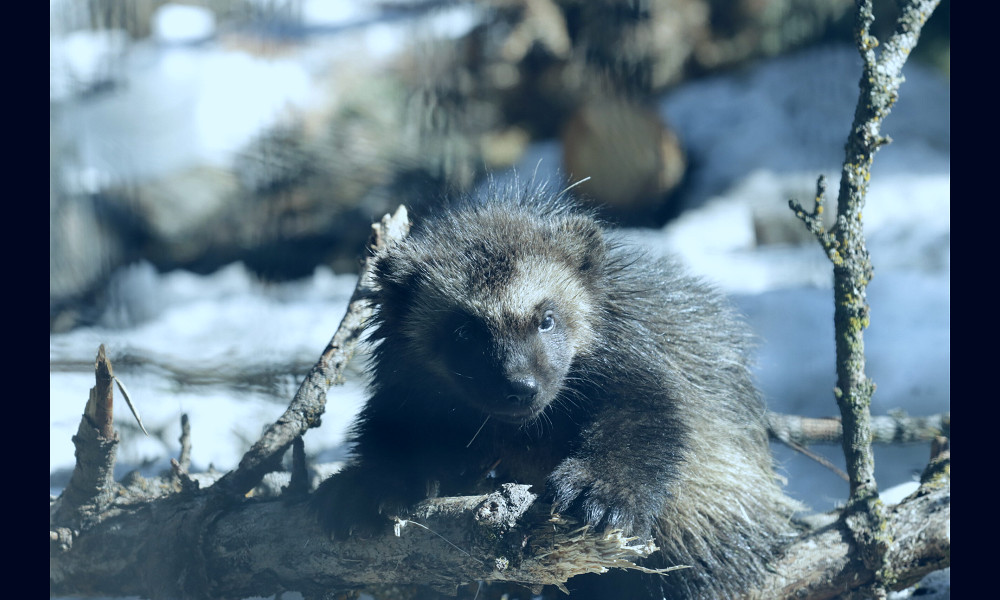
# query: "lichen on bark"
{"points": [[852, 269]]}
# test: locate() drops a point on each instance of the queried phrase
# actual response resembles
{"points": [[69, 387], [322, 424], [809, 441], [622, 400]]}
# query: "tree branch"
{"points": [[91, 487], [826, 564], [181, 546], [879, 89], [270, 546], [895, 428], [309, 402], [185, 440]]}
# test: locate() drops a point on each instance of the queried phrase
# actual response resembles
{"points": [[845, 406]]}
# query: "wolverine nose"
{"points": [[521, 390]]}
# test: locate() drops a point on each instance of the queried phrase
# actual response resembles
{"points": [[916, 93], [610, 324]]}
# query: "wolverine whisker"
{"points": [[477, 431]]}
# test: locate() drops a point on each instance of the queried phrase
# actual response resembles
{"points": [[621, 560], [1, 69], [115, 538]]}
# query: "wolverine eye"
{"points": [[548, 322]]}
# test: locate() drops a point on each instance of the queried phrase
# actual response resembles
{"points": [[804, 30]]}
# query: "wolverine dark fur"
{"points": [[516, 341]]}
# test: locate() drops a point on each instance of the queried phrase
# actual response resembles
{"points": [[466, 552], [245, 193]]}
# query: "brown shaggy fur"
{"points": [[613, 383]]}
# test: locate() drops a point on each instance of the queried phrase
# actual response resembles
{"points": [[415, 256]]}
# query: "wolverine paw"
{"points": [[575, 489], [349, 504]]}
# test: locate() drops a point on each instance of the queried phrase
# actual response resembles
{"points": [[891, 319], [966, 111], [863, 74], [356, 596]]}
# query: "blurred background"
{"points": [[215, 167]]}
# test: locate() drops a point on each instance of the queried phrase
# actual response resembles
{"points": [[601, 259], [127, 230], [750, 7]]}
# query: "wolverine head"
{"points": [[491, 303]]}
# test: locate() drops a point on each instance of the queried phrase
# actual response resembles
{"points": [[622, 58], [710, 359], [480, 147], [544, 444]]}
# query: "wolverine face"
{"points": [[508, 341], [492, 305], [511, 369]]}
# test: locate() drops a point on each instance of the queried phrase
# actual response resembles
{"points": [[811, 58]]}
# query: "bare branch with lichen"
{"points": [[814, 219], [852, 268]]}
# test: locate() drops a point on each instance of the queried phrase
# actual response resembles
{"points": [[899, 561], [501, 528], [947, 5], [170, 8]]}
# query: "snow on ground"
{"points": [[228, 351]]}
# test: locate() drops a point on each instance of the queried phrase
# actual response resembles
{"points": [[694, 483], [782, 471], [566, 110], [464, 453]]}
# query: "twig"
{"points": [[100, 407], [181, 475], [185, 457], [894, 428], [818, 458], [879, 89], [309, 402], [813, 220]]}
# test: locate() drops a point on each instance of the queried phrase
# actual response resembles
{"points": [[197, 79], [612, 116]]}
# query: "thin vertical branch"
{"points": [[184, 460], [852, 269], [100, 407]]}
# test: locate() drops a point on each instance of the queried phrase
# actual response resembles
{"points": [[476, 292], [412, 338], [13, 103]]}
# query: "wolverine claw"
{"points": [[602, 504]]}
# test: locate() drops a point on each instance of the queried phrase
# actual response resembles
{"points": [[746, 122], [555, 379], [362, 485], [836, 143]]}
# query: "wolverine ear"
{"points": [[394, 282], [388, 268], [586, 241]]}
